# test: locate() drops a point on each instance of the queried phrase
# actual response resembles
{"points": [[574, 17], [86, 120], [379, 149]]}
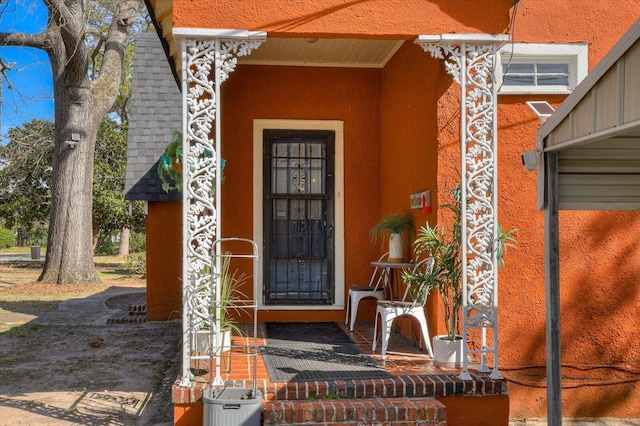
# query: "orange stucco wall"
{"points": [[598, 250], [402, 136], [164, 260], [408, 138], [351, 95], [334, 18], [474, 410]]}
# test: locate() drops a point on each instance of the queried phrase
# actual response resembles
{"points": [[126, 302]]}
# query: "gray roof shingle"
{"points": [[156, 112]]}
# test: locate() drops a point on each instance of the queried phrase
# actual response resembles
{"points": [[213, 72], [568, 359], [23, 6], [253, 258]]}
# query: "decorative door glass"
{"points": [[298, 217]]}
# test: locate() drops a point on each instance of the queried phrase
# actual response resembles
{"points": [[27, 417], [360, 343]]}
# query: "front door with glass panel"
{"points": [[298, 217]]}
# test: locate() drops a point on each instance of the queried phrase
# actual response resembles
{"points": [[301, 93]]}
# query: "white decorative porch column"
{"points": [[470, 59], [207, 58]]}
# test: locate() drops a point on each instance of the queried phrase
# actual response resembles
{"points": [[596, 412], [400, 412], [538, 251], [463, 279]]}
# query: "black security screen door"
{"points": [[298, 217]]}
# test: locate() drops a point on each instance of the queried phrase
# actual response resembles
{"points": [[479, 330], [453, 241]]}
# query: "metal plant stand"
{"points": [[224, 405]]}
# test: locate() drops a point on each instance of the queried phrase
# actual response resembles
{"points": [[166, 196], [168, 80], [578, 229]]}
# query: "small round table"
{"points": [[395, 266]]}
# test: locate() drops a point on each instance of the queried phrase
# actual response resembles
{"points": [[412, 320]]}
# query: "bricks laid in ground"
{"points": [[138, 309], [127, 319]]}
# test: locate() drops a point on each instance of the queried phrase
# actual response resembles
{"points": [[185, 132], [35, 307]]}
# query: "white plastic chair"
{"points": [[376, 288], [389, 310]]}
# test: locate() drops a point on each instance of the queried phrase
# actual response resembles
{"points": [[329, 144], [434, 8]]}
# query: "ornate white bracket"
{"points": [[470, 60], [208, 57]]}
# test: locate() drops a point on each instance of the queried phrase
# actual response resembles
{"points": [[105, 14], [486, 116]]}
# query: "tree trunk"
{"points": [[70, 246], [80, 105], [123, 249], [95, 237]]}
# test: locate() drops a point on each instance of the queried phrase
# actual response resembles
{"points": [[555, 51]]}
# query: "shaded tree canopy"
{"points": [[25, 176], [110, 210], [25, 179]]}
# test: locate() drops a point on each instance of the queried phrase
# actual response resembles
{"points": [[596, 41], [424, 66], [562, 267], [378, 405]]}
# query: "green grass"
{"points": [[19, 272], [20, 250], [21, 332], [332, 395], [109, 261]]}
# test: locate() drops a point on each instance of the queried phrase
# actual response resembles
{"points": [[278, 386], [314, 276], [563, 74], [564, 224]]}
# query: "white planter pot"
{"points": [[447, 353], [201, 341], [396, 248]]}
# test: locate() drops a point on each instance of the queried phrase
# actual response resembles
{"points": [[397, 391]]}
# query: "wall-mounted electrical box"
{"points": [[421, 200]]}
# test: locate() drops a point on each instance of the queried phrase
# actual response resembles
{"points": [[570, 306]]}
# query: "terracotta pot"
{"points": [[447, 353]]}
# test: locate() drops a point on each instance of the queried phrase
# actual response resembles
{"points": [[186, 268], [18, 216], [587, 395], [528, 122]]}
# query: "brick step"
{"points": [[388, 411], [138, 309], [408, 386]]}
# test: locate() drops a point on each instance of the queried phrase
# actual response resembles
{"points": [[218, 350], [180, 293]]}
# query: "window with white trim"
{"points": [[535, 68]]}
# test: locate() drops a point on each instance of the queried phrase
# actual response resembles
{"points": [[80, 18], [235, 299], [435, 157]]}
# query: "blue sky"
{"points": [[32, 94]]}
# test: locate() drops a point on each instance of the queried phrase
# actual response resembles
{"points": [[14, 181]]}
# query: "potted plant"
{"points": [[446, 275], [393, 226], [230, 291], [171, 162]]}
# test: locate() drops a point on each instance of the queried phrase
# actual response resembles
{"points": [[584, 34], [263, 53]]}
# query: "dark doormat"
{"points": [[301, 352], [286, 333]]}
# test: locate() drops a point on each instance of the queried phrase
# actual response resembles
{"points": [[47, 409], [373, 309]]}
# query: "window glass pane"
{"points": [[297, 210], [315, 209], [280, 210], [553, 80], [553, 69], [512, 80], [279, 152], [515, 68], [316, 172]]}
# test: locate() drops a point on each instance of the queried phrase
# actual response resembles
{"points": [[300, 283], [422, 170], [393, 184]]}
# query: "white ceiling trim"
{"points": [[345, 53], [209, 33]]}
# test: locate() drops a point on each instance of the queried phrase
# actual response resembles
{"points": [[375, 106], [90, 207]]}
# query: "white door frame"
{"points": [[337, 126]]}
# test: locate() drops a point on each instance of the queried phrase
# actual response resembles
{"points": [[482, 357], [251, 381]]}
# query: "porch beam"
{"points": [[217, 33], [208, 56], [470, 59], [552, 278], [458, 39]]}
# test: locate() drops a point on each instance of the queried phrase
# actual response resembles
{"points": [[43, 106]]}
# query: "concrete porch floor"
{"points": [[443, 398]]}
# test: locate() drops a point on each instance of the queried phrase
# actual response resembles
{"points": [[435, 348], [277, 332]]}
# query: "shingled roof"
{"points": [[156, 112]]}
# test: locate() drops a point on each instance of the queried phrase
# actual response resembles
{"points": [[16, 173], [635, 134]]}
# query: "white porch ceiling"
{"points": [[354, 53]]}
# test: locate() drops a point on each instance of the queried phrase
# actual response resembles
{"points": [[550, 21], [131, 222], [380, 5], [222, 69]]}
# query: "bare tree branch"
{"points": [[66, 24], [3, 69], [96, 53], [60, 10], [23, 40], [105, 86], [96, 33]]}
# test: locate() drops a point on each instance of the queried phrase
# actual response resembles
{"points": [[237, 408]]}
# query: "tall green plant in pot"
{"points": [[221, 309], [446, 276], [392, 227]]}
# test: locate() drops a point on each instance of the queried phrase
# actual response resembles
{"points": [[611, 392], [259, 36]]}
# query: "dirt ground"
{"points": [[117, 374]]}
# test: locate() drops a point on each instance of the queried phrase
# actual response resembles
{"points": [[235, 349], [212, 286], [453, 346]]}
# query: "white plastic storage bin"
{"points": [[232, 407]]}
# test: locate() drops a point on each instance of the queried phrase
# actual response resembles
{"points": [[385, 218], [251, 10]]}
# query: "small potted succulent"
{"points": [[170, 166]]}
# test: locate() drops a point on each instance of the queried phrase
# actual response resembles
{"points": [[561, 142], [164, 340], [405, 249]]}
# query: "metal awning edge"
{"points": [[610, 59], [611, 132]]}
